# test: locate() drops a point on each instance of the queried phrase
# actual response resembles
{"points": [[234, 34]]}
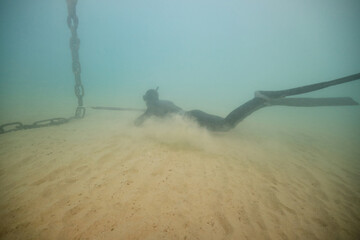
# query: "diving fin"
{"points": [[312, 102], [308, 88]]}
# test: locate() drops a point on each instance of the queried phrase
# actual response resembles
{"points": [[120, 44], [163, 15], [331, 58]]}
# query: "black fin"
{"points": [[309, 88], [313, 102]]}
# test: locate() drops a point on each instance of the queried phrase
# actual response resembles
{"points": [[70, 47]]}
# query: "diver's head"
{"points": [[151, 95]]}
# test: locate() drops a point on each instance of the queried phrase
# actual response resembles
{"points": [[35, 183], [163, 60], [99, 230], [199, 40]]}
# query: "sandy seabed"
{"points": [[103, 178]]}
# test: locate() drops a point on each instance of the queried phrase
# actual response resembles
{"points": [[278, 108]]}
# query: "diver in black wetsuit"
{"points": [[161, 108]]}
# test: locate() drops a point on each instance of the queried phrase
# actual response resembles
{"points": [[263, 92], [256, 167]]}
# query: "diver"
{"points": [[162, 108]]}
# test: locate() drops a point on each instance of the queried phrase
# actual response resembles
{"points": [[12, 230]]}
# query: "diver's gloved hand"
{"points": [[140, 120]]}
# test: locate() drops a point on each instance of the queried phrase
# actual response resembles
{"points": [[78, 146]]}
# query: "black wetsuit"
{"points": [[161, 108]]}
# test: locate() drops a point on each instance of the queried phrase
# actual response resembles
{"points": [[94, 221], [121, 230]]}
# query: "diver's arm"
{"points": [[142, 118]]}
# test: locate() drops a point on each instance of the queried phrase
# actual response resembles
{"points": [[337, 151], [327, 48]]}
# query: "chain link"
{"points": [[72, 19], [14, 126], [80, 112]]}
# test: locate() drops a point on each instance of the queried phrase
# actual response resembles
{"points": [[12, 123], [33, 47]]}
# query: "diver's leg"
{"points": [[268, 98], [211, 122], [243, 111], [259, 102], [309, 88]]}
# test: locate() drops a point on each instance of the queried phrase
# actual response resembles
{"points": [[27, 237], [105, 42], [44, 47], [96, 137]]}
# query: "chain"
{"points": [[14, 126], [73, 21]]}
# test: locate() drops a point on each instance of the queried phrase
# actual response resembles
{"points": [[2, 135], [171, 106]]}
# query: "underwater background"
{"points": [[208, 55], [282, 173]]}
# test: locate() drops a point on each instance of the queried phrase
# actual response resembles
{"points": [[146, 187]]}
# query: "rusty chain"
{"points": [[14, 126], [72, 22]]}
